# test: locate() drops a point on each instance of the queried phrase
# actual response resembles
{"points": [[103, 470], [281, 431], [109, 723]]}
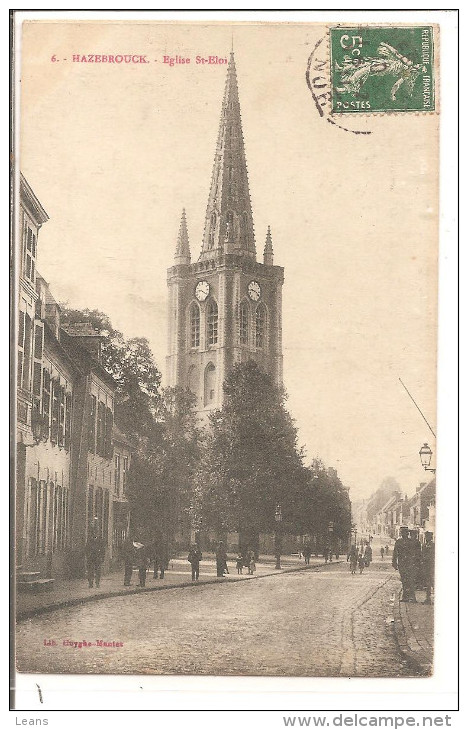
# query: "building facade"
{"points": [[67, 473], [226, 307]]}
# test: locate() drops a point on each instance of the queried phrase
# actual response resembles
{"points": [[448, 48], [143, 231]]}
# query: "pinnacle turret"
{"points": [[229, 223], [268, 250], [182, 253]]}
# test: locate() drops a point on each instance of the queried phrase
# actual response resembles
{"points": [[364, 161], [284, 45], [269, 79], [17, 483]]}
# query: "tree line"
{"points": [[227, 476]]}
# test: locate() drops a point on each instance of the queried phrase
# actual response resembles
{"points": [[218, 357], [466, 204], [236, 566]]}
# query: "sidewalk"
{"points": [[414, 629], [75, 592]]}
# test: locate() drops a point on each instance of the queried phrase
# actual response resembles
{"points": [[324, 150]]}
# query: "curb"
{"points": [[70, 602], [403, 631]]}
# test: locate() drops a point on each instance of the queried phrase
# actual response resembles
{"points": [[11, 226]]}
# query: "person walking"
{"points": [[128, 554], [361, 562], [95, 552], [428, 564], [221, 558], [386, 549], [160, 559], [239, 564], [307, 552], [382, 552], [325, 554], [252, 565], [368, 555], [142, 561], [403, 561], [194, 558], [353, 559]]}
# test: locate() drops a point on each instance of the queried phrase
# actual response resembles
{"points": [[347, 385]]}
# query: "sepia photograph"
{"points": [[225, 277]]}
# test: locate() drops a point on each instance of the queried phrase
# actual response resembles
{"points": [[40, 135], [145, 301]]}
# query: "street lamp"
{"points": [[39, 427], [278, 518], [425, 454]]}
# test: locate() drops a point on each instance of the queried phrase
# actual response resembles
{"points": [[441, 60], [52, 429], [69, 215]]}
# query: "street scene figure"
{"points": [[142, 562], [382, 552], [160, 559], [252, 564], [428, 564], [361, 562], [307, 552], [194, 558], [221, 560], [353, 559], [404, 561], [368, 554], [94, 557], [239, 564]]}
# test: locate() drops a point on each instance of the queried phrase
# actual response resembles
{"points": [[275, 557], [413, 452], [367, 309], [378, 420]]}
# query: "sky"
{"points": [[115, 151]]}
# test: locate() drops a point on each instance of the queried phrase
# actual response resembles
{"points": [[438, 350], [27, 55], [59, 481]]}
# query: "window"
{"points": [[92, 425], [54, 429], [109, 416], [229, 225], [68, 407], [212, 323], [194, 325], [260, 327], [30, 250], [101, 429], [90, 508], [210, 383], [24, 350], [244, 324], [61, 426], [211, 238], [117, 473], [243, 229], [125, 471], [46, 385]]}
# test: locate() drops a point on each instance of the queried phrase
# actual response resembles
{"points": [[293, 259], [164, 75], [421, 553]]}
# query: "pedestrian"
{"points": [[128, 553], [194, 558], [307, 552], [382, 552], [361, 562], [239, 564], [142, 561], [221, 558], [386, 549], [403, 561], [95, 552], [368, 555], [427, 564], [252, 565], [353, 559], [337, 555], [325, 554], [160, 559]]}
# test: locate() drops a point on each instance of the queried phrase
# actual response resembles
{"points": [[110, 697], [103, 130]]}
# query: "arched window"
{"points": [[211, 237], [210, 383], [194, 325], [229, 226], [244, 324], [212, 323], [260, 327], [243, 229]]}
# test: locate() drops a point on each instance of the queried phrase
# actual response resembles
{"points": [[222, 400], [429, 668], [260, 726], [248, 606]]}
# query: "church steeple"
{"points": [[229, 223], [268, 250], [182, 253]]}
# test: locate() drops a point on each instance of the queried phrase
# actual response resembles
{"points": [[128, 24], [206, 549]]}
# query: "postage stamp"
{"points": [[382, 69]]}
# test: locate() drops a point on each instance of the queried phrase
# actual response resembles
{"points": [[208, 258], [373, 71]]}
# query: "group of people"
{"points": [[135, 554], [359, 558], [415, 563]]}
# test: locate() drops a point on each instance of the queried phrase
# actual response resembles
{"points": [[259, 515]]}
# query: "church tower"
{"points": [[226, 307]]}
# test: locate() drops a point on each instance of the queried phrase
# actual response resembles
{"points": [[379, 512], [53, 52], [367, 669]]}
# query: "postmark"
{"points": [[382, 69]]}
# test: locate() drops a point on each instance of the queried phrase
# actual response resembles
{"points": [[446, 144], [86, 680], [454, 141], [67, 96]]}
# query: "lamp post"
{"points": [[39, 427], [278, 519], [425, 454], [330, 539]]}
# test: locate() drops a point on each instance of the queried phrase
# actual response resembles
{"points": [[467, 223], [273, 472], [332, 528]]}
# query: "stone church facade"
{"points": [[225, 307]]}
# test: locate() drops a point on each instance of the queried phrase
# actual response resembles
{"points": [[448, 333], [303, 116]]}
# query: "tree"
{"points": [[252, 462], [131, 364]]}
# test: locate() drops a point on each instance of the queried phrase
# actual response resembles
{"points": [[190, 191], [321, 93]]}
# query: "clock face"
{"points": [[202, 290], [254, 290]]}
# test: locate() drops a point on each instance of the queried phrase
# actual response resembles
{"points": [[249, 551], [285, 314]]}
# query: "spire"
{"points": [[268, 250], [229, 223], [182, 253]]}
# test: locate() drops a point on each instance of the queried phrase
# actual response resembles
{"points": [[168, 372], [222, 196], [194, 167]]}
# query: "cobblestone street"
{"points": [[309, 623]]}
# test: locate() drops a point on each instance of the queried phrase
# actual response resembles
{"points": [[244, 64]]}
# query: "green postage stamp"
{"points": [[382, 69]]}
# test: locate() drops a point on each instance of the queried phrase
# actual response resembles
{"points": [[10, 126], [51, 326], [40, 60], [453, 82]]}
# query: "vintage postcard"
{"points": [[226, 261]]}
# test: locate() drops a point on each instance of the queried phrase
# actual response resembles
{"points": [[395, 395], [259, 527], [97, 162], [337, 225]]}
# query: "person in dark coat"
{"points": [[353, 559], [128, 554], [403, 560], [221, 560], [142, 561], [160, 559], [194, 558], [368, 555], [307, 552], [427, 565], [95, 552]]}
